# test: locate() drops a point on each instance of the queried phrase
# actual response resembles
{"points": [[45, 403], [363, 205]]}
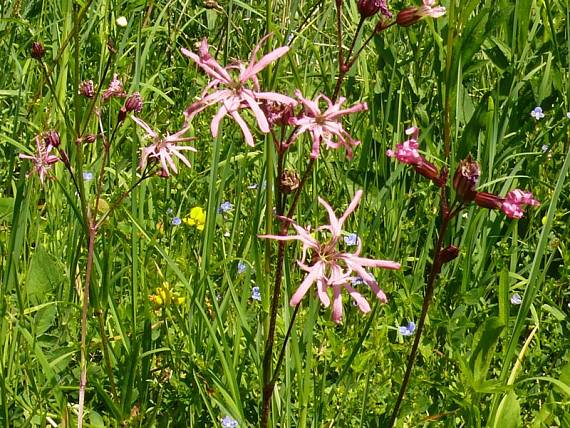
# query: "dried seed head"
{"points": [[289, 181]]}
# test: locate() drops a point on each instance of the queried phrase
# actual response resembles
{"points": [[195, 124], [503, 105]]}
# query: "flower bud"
{"points": [[448, 254], [465, 179], [368, 8], [408, 16], [86, 89], [488, 200], [134, 103], [51, 138], [289, 181], [64, 158], [428, 170], [38, 50]]}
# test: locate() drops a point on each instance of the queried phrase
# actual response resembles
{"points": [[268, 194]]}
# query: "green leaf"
{"points": [[6, 209], [509, 413], [480, 360], [45, 274]]}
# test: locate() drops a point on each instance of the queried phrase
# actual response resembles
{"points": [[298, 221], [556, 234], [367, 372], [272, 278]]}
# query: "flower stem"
{"points": [[435, 269], [83, 365]]}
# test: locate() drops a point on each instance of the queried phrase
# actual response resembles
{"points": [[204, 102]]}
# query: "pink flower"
{"points": [[115, 89], [331, 268], [324, 126], [235, 87], [408, 153], [162, 149], [515, 200], [43, 159]]}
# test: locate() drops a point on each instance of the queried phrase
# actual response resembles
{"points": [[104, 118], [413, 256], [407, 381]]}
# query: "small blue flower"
{"points": [[176, 221], [255, 294], [87, 176], [224, 207], [544, 148], [537, 113], [229, 422], [408, 330], [241, 267], [356, 280], [516, 299], [351, 239]]}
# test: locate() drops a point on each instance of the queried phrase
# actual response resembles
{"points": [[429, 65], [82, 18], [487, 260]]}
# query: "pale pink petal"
{"points": [[256, 67], [334, 223], [312, 276], [353, 204], [215, 125], [362, 303], [337, 304], [278, 98], [245, 129], [257, 112], [150, 132]]}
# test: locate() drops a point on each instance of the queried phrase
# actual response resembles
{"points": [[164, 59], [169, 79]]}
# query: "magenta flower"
{"points": [[515, 200], [511, 205], [324, 126], [331, 268], [43, 159], [408, 153], [235, 87], [162, 149]]}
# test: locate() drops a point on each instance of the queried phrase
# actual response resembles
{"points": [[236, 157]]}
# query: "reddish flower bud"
{"points": [[51, 138], [448, 254], [368, 8], [37, 50], [465, 179], [86, 89], [428, 170], [134, 103], [64, 158], [488, 200], [408, 16]]}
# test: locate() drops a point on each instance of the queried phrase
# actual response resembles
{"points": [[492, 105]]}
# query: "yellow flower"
{"points": [[165, 296], [196, 218]]}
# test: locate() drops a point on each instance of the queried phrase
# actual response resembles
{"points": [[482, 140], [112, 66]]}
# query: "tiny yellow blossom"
{"points": [[196, 218], [166, 296]]}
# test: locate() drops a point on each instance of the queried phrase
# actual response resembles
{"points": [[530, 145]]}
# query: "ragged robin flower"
{"points": [[43, 160], [331, 269]]}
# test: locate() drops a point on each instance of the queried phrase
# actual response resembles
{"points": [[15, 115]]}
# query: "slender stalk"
{"points": [[284, 346], [446, 217], [83, 366]]}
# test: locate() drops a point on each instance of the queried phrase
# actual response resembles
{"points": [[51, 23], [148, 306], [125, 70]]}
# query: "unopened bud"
{"points": [[488, 200], [86, 89], [134, 103], [465, 179], [51, 138], [368, 8], [38, 50], [448, 254], [289, 181], [428, 170], [408, 16]]}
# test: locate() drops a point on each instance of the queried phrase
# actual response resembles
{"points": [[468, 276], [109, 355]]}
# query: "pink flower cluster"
{"points": [[331, 268], [236, 87], [464, 181]]}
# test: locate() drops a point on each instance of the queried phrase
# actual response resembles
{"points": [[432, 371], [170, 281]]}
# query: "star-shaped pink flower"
{"points": [[325, 126], [42, 159], [163, 148], [235, 87], [329, 267]]}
